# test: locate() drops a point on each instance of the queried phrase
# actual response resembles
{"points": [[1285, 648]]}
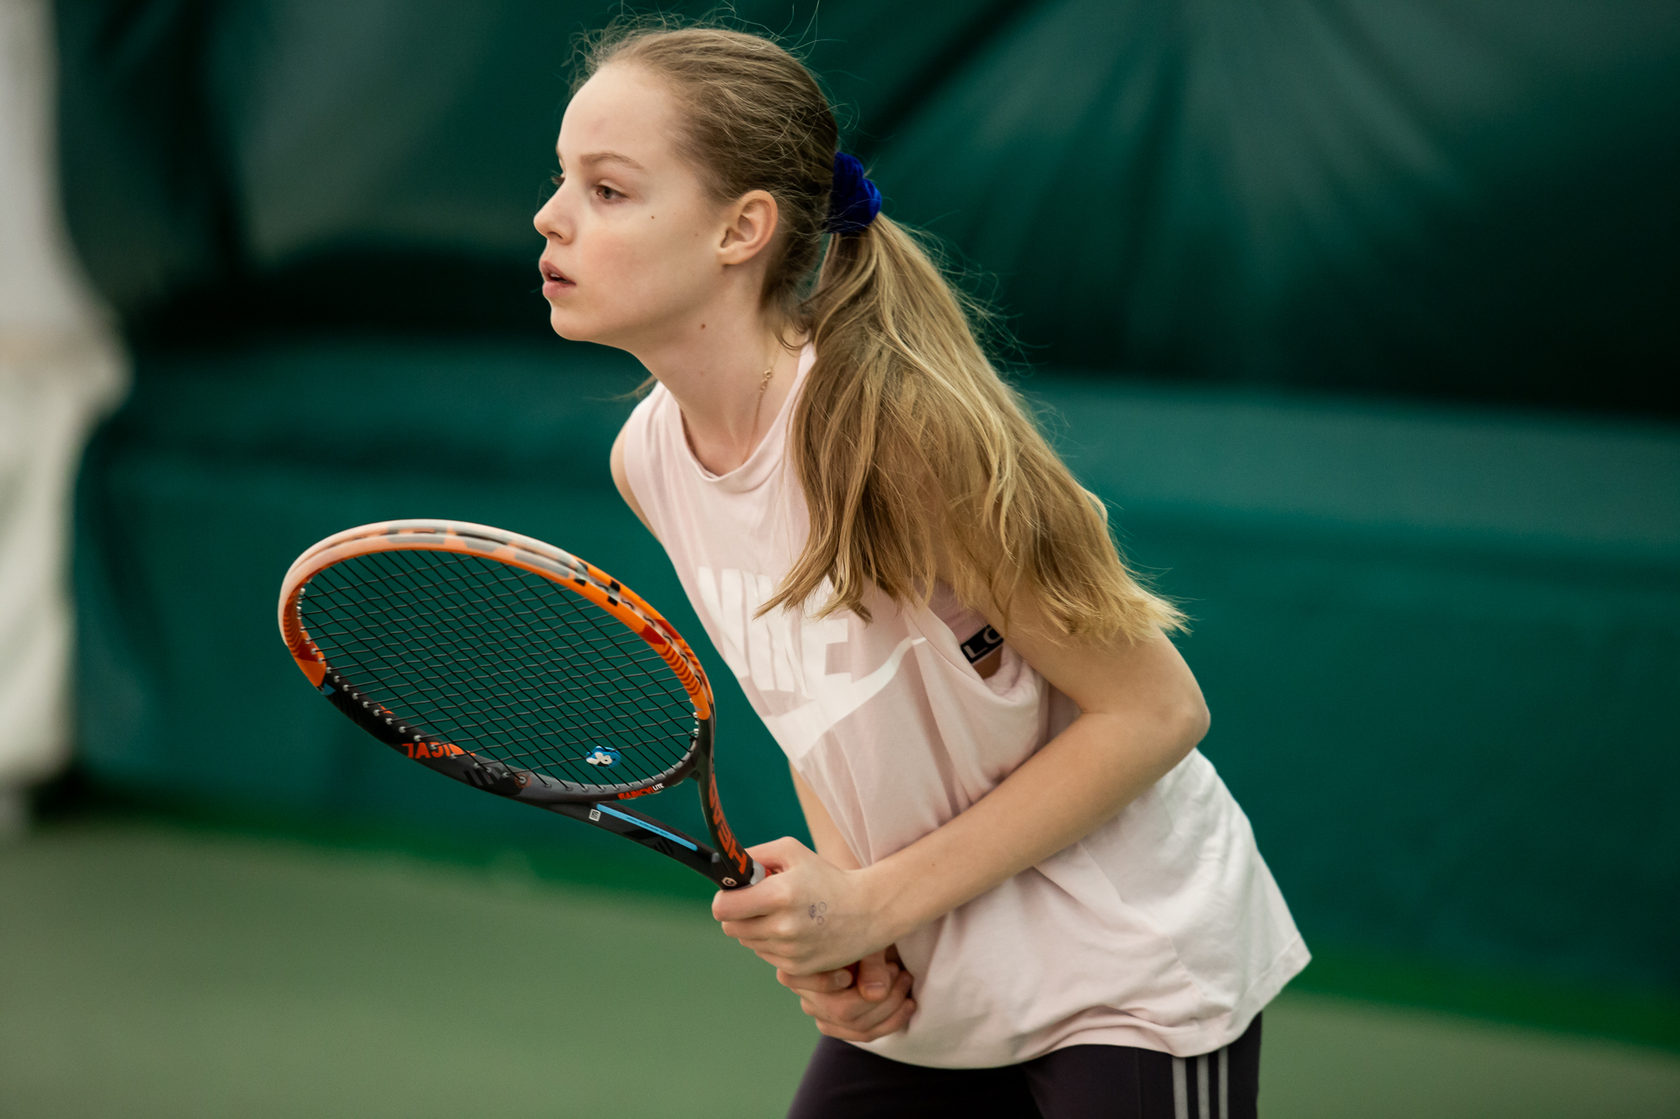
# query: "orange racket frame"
{"points": [[728, 865]]}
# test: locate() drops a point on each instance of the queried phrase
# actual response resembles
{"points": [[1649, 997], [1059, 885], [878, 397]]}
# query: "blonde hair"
{"points": [[915, 458]]}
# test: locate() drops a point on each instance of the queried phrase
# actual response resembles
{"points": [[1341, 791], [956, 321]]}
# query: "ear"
{"points": [[750, 227]]}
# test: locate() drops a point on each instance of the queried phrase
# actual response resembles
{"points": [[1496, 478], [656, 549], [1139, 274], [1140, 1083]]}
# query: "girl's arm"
{"points": [[1141, 713], [869, 999], [621, 479], [830, 844]]}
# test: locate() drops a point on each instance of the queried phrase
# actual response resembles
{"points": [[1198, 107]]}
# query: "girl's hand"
{"points": [[868, 1000], [807, 916]]}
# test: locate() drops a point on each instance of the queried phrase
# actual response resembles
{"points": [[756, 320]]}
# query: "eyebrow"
{"points": [[597, 158]]}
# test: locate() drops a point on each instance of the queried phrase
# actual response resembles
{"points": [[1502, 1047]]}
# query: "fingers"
{"points": [[850, 1017], [779, 854], [783, 941], [875, 976], [775, 939], [820, 983], [891, 1026], [845, 1004], [766, 896], [827, 982], [747, 903], [872, 976]]}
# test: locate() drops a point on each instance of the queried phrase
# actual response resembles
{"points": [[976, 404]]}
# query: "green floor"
{"points": [[150, 969]]}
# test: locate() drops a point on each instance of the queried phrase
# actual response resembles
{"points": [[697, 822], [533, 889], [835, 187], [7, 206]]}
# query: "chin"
{"points": [[569, 329], [596, 334]]}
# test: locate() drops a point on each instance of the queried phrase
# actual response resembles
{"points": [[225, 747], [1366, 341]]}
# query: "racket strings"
{"points": [[499, 709], [517, 705], [626, 653], [576, 713], [501, 662], [422, 619]]}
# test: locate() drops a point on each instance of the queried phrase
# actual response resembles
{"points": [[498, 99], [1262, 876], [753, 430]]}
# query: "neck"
{"points": [[717, 374]]}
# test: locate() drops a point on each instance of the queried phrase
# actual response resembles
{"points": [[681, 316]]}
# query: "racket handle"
{"points": [[759, 874]]}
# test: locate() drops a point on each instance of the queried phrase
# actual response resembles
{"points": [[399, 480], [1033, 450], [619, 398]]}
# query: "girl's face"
{"points": [[631, 259]]}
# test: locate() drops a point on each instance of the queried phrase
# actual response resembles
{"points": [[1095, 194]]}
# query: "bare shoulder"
{"points": [[621, 479]]}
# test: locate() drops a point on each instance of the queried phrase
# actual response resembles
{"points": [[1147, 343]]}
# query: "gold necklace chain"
{"points": [[758, 405]]}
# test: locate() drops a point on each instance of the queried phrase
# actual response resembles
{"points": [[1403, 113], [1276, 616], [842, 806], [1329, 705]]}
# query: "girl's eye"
{"points": [[602, 191]]}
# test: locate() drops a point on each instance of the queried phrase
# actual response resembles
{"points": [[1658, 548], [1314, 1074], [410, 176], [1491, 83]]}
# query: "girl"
{"points": [[1029, 894]]}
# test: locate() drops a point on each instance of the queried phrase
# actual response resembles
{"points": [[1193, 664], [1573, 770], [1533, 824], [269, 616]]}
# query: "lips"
{"points": [[554, 280]]}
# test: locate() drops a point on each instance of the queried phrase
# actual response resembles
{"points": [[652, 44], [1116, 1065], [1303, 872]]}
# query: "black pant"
{"points": [[1079, 1082]]}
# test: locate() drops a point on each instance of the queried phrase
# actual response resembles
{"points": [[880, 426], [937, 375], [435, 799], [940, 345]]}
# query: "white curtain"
{"points": [[61, 368]]}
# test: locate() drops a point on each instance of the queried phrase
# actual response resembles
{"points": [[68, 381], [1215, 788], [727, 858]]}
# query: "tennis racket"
{"points": [[516, 668]]}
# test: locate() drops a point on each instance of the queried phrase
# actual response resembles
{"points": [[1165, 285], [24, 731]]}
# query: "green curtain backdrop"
{"points": [[1353, 310]]}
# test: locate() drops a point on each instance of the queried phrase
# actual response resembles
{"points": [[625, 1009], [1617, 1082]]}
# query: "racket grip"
{"points": [[759, 874]]}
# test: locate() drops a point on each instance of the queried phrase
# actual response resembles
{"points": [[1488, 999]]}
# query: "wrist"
{"points": [[889, 900]]}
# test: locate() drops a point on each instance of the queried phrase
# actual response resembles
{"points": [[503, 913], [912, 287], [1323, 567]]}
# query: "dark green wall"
{"points": [[1454, 199]]}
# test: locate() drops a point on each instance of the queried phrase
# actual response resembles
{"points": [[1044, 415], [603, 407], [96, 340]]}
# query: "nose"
{"points": [[550, 219]]}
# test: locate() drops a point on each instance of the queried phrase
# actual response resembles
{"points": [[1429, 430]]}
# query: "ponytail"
{"points": [[917, 459]]}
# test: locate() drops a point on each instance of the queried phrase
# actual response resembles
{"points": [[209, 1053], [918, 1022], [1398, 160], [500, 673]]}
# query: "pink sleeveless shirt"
{"points": [[1161, 929]]}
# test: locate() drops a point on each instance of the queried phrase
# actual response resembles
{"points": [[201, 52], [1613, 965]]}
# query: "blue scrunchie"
{"points": [[854, 201]]}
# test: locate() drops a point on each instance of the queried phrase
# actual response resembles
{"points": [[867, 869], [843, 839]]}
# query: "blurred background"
{"points": [[1362, 314]]}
